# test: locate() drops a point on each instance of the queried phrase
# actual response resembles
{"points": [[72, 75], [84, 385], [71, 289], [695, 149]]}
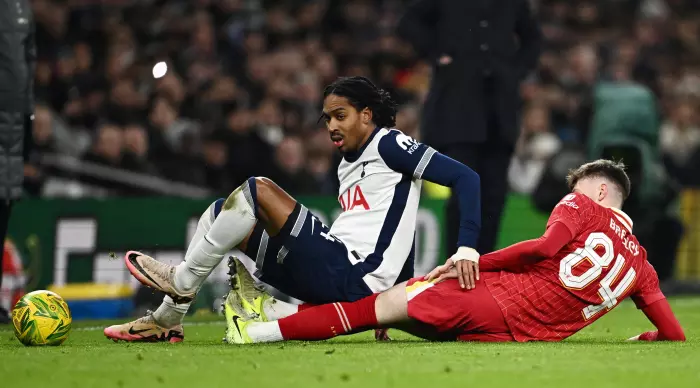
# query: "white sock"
{"points": [[169, 313], [234, 222], [276, 309], [203, 227], [264, 332]]}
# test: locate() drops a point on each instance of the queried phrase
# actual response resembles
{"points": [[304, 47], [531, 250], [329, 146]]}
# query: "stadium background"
{"points": [[123, 159]]}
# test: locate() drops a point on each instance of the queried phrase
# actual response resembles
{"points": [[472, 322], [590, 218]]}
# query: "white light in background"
{"points": [[159, 69]]}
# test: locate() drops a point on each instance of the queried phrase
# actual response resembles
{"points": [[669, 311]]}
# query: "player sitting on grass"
{"points": [[368, 249], [544, 289]]}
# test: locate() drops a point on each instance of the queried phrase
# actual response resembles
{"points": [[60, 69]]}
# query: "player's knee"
{"points": [[244, 197], [264, 188]]}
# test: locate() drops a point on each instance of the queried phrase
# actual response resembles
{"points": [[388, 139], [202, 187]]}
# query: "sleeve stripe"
{"points": [[418, 173]]}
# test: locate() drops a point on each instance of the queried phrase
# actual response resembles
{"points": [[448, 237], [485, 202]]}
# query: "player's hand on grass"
{"points": [[382, 335], [463, 265]]}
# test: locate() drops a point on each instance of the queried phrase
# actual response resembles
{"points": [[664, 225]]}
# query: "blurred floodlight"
{"points": [[159, 69]]}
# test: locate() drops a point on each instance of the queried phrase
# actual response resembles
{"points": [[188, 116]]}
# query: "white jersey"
{"points": [[380, 189]]}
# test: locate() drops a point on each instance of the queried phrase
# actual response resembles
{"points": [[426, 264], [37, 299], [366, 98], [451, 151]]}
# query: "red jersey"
{"points": [[602, 265]]}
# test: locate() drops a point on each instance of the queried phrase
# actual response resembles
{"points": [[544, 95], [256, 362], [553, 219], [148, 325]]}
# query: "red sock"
{"points": [[306, 306], [330, 320]]}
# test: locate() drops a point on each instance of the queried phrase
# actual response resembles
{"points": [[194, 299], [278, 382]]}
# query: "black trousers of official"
{"points": [[5, 207], [490, 160]]}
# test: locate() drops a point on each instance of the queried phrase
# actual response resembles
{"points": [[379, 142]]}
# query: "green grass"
{"points": [[596, 357]]}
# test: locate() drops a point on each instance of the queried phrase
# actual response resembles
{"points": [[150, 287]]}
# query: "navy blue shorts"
{"points": [[304, 261]]}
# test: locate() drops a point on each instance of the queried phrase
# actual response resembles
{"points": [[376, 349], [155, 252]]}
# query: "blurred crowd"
{"points": [[654, 43], [241, 94]]}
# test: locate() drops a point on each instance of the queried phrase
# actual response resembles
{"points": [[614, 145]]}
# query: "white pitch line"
{"points": [[96, 328]]}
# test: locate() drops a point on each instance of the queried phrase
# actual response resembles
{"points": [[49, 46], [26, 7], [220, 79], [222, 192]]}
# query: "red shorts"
{"points": [[471, 315]]}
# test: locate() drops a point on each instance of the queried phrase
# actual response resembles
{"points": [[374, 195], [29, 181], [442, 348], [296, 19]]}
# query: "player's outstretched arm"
{"points": [[418, 161], [514, 257], [668, 327], [466, 185]]}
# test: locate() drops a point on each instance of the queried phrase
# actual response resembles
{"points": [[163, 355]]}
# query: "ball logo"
{"points": [[407, 143]]}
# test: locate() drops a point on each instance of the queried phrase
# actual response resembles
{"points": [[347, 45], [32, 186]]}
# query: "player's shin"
{"points": [[231, 226], [169, 313], [275, 309], [327, 321], [204, 225]]}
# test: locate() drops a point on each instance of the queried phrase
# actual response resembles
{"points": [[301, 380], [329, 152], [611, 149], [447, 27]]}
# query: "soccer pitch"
{"points": [[596, 357]]}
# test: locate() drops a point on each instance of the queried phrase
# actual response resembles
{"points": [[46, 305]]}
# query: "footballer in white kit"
{"points": [[368, 249]]}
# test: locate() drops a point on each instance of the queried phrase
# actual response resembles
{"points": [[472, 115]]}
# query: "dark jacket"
{"points": [[493, 45], [17, 60]]}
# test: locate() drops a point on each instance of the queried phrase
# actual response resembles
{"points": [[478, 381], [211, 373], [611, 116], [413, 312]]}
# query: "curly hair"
{"points": [[362, 93]]}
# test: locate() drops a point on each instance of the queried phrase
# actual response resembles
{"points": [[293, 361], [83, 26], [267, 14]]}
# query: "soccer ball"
{"points": [[41, 318]]}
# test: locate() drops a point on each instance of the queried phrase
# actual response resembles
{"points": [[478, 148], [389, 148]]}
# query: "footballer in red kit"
{"points": [[546, 289], [598, 264]]}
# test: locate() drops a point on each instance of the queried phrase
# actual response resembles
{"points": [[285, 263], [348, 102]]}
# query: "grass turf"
{"points": [[595, 357]]}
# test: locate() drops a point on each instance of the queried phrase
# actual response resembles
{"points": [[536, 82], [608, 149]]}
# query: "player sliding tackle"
{"points": [[545, 289], [368, 249]]}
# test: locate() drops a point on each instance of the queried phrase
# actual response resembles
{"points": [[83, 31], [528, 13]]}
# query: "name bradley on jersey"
{"points": [[622, 233]]}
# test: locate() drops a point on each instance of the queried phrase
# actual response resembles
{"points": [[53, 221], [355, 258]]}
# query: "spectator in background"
{"points": [[680, 140], [171, 87], [290, 167], [266, 63], [136, 150], [319, 166], [579, 75], [536, 145], [125, 103], [174, 143], [408, 119], [248, 151], [319, 162], [471, 111], [270, 118], [118, 148], [107, 149], [42, 130], [43, 142], [216, 158]]}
